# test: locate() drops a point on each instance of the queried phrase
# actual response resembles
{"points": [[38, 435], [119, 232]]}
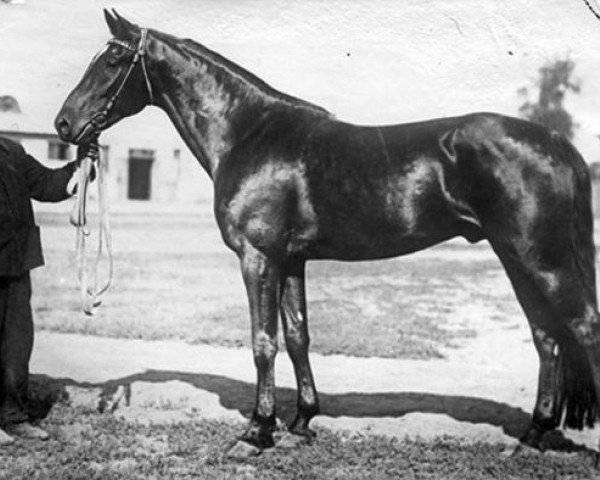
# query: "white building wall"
{"points": [[174, 179], [38, 148]]}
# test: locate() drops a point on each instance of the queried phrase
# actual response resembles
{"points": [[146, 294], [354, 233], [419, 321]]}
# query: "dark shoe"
{"points": [[27, 430]]}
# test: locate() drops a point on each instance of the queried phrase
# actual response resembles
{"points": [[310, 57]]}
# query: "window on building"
{"points": [[140, 174], [58, 150], [104, 156]]}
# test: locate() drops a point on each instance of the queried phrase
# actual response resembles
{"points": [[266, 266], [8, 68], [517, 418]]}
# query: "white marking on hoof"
{"points": [[510, 451], [242, 450], [291, 440]]}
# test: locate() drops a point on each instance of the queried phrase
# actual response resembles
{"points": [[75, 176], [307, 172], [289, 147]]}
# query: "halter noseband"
{"points": [[100, 119]]}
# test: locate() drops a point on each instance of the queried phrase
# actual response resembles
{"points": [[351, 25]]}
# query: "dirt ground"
{"points": [[470, 372], [161, 381]]}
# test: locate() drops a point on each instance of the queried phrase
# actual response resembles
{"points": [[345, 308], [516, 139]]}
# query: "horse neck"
{"points": [[209, 100], [199, 108]]}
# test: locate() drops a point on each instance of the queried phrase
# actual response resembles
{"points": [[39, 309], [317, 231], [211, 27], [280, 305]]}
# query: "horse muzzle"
{"points": [[78, 134], [63, 127]]}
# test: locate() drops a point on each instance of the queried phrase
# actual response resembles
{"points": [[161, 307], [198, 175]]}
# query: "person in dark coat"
{"points": [[22, 178]]}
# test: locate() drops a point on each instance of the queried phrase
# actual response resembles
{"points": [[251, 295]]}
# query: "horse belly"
{"points": [[398, 211], [375, 249], [390, 232]]}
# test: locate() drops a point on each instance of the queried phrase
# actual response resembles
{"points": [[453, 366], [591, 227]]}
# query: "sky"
{"points": [[369, 62]]}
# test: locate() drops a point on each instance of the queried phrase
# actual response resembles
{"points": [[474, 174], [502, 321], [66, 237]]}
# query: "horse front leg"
{"points": [[261, 277], [295, 327]]}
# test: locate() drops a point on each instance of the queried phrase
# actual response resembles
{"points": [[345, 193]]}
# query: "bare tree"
{"points": [[554, 82]]}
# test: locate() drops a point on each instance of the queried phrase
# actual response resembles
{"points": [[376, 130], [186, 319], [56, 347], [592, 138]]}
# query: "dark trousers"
{"points": [[16, 343]]}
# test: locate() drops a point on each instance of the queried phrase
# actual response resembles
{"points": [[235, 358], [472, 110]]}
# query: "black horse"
{"points": [[292, 183]]}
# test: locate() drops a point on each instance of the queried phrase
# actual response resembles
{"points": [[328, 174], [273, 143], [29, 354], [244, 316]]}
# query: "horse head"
{"points": [[114, 86]]}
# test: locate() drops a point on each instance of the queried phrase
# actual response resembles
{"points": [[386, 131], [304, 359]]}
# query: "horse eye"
{"points": [[114, 54], [115, 50]]}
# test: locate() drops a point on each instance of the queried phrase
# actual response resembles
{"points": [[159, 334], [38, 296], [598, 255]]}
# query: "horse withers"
{"points": [[292, 183]]}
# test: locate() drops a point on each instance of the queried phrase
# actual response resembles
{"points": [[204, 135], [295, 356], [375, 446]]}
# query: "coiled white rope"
{"points": [[91, 295]]}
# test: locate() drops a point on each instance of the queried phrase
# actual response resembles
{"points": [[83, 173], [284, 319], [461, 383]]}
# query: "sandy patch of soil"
{"points": [[419, 426], [166, 402], [482, 391]]}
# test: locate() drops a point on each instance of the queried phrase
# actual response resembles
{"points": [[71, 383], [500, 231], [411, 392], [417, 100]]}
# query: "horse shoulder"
{"points": [[270, 208]]}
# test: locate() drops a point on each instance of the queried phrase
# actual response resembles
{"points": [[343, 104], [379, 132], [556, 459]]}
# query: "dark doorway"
{"points": [[140, 174]]}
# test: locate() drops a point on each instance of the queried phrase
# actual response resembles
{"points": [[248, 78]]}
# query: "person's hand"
{"points": [[74, 180], [91, 151], [88, 150]]}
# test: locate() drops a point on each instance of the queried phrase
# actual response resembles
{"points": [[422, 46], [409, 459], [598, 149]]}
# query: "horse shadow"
{"points": [[237, 395]]}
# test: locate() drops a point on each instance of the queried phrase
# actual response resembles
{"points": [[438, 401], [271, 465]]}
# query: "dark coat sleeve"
{"points": [[44, 184]]}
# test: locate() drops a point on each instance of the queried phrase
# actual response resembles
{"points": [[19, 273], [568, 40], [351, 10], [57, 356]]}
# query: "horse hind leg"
{"points": [[548, 405], [549, 401], [561, 306], [295, 327]]}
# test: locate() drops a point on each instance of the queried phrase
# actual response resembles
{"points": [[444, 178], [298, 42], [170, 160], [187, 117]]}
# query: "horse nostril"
{"points": [[63, 127]]}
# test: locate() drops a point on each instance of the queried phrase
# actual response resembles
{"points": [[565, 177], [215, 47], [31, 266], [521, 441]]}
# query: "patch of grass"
{"points": [[87, 445], [175, 280]]}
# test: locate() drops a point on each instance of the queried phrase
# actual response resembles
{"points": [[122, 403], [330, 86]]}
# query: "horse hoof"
{"points": [[532, 438], [592, 458], [291, 440], [242, 450], [511, 451]]}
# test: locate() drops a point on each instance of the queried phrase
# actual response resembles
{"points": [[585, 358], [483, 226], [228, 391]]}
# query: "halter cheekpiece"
{"points": [[100, 119]]}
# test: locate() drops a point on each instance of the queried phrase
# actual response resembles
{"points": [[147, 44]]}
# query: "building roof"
{"points": [[24, 123]]}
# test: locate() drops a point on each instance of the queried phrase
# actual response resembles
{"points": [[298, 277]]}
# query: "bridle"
{"points": [[100, 119], [91, 295]]}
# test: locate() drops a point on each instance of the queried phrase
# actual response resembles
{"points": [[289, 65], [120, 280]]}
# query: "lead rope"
{"points": [[91, 296]]}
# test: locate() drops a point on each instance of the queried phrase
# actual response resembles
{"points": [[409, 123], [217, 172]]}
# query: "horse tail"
{"points": [[582, 227], [577, 395]]}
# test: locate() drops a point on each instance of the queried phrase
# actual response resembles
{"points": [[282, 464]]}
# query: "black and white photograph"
{"points": [[299, 239]]}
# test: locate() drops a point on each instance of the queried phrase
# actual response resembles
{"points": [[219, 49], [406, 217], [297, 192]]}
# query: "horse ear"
{"points": [[119, 26], [113, 23], [127, 28]]}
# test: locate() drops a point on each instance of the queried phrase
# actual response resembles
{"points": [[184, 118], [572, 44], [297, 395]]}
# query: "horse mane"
{"points": [[192, 48]]}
